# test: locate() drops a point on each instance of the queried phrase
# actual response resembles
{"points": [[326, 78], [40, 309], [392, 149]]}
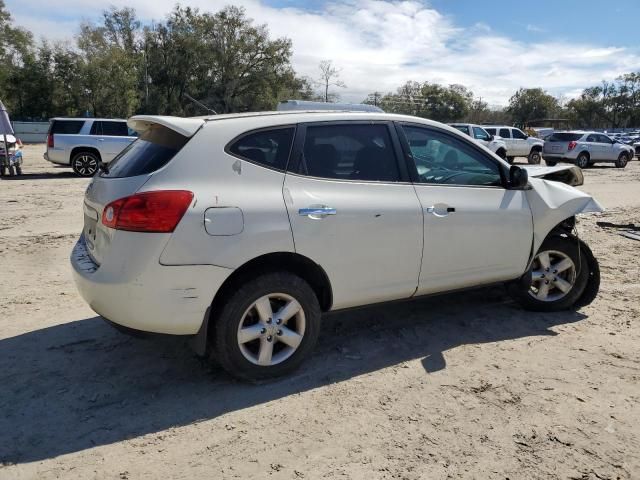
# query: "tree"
{"points": [[532, 104], [328, 78], [429, 100]]}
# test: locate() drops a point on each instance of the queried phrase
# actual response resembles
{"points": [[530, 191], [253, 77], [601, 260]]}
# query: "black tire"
{"points": [[550, 163], [535, 157], [226, 348], [511, 160], [85, 164], [522, 292], [583, 160], [502, 154], [622, 160]]}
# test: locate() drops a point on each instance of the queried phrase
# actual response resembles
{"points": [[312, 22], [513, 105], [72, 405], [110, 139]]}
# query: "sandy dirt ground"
{"points": [[457, 386]]}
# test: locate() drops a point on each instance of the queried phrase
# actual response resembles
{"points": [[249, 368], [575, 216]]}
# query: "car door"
{"points": [[481, 135], [519, 142], [475, 230], [354, 211], [505, 133], [609, 150], [595, 147]]}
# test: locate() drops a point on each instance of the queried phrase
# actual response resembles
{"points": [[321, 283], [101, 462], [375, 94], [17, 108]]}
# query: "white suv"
{"points": [[241, 230], [483, 137], [519, 144], [86, 143]]}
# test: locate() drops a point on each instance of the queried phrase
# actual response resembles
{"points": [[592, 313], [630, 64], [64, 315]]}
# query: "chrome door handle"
{"points": [[317, 212], [440, 210]]}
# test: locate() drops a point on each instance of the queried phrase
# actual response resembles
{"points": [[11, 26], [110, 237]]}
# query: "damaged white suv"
{"points": [[241, 230]]}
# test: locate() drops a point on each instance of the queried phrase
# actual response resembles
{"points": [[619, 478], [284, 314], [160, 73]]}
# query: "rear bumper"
{"points": [[147, 296], [56, 157]]}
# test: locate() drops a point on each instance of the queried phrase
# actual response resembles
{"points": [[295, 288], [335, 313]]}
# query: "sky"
{"points": [[492, 47]]}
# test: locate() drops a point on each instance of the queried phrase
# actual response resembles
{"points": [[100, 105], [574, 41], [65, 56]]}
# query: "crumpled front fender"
{"points": [[552, 202]]}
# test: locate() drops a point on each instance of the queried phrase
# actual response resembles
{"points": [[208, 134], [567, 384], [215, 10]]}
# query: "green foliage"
{"points": [[429, 100], [529, 104]]}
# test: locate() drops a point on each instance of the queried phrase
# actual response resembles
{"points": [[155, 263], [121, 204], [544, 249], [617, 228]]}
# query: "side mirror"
{"points": [[491, 138], [518, 177]]}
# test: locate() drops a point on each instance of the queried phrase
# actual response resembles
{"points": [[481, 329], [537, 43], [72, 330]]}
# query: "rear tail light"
{"points": [[572, 145], [158, 212], [50, 140]]}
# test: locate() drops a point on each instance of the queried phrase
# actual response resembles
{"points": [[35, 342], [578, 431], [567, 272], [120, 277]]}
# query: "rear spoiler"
{"points": [[184, 126]]}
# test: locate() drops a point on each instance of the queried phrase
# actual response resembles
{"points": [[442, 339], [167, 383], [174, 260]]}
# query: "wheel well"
{"points": [[586, 153], [294, 263], [536, 148], [78, 150]]}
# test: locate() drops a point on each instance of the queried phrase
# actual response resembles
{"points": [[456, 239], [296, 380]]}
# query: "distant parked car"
{"points": [[519, 144], [85, 143], [585, 148], [480, 134]]}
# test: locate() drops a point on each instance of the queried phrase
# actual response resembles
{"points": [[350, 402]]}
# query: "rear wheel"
{"points": [[557, 278], [85, 164], [622, 161], [511, 159], [534, 157], [502, 154], [583, 160], [267, 327]]}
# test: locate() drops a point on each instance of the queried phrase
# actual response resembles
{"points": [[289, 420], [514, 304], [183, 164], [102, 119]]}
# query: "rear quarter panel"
{"points": [[221, 180]]}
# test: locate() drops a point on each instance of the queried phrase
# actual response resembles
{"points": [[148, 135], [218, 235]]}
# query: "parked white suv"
{"points": [[483, 137], [585, 149], [241, 230], [86, 143], [519, 144]]}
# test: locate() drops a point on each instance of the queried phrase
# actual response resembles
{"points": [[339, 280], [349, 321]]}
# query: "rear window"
{"points": [[67, 127], [152, 151], [564, 137]]}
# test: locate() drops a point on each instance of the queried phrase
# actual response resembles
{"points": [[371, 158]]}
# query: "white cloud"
{"points": [[380, 44]]}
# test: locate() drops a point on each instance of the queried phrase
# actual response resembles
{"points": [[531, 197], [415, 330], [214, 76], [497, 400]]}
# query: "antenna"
{"points": [[200, 104]]}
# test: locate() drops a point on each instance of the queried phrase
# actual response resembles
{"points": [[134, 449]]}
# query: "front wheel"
{"points": [[557, 278], [534, 157], [267, 327], [622, 160]]}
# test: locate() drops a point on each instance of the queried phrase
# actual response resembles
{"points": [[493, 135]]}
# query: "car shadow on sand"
{"points": [[41, 176], [77, 385]]}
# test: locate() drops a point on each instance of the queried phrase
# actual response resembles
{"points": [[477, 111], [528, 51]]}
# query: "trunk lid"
{"points": [[161, 139]]}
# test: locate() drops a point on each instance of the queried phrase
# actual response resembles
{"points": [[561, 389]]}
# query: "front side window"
{"points": [[480, 134], [443, 159], [269, 148], [604, 139], [518, 134], [504, 133], [349, 152], [462, 128]]}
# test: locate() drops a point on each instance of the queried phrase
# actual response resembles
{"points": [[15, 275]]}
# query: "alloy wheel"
{"points": [[271, 329], [85, 165], [553, 276]]}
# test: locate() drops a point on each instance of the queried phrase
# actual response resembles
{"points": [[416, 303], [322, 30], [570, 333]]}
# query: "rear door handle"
{"points": [[317, 212]]}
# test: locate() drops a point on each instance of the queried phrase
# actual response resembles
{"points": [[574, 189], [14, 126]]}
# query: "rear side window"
{"points": [[564, 137], [492, 131], [150, 152], [110, 129], [504, 133], [269, 148], [349, 152], [462, 128], [66, 127]]}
